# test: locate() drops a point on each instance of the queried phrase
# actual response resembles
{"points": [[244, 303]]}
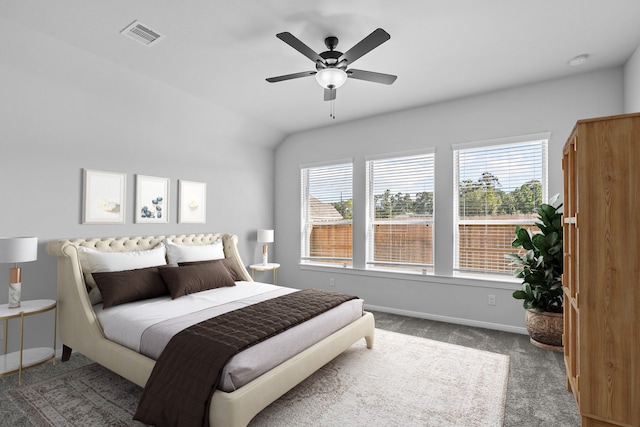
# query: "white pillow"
{"points": [[94, 261], [189, 253]]}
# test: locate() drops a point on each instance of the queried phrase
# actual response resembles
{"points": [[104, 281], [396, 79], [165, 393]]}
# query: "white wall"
{"points": [[64, 110], [551, 106], [632, 83]]}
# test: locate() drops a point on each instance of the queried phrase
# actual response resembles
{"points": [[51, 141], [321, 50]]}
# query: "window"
{"points": [[327, 214], [400, 213], [497, 185]]}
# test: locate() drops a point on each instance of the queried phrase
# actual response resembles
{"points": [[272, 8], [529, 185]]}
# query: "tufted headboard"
{"points": [[67, 247]]}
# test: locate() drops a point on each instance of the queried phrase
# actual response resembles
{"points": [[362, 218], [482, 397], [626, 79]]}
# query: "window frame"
{"points": [[371, 221], [306, 224], [543, 137]]}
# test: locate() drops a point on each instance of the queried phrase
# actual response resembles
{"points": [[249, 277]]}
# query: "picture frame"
{"points": [[193, 202], [152, 199], [103, 197]]}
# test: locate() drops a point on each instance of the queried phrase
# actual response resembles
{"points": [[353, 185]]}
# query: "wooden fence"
{"points": [[331, 241], [482, 247]]}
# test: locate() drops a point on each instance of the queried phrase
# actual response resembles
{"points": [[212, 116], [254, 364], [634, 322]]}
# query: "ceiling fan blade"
{"points": [[371, 76], [291, 76], [365, 45], [330, 94], [295, 43]]}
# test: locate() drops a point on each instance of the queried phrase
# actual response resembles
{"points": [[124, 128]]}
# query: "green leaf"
{"points": [[513, 257], [519, 295], [523, 238]]}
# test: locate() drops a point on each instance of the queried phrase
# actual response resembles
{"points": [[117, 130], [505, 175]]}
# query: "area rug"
{"points": [[404, 380]]}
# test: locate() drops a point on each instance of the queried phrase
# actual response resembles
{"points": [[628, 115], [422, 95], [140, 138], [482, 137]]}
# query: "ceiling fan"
{"points": [[331, 65]]}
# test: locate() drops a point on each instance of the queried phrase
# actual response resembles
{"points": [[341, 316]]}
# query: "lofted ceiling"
{"points": [[222, 51]]}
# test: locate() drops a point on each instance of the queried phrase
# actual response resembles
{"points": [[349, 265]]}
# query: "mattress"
{"points": [[146, 326]]}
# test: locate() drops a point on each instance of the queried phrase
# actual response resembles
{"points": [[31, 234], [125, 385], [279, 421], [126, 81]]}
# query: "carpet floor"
{"points": [[536, 392], [447, 385]]}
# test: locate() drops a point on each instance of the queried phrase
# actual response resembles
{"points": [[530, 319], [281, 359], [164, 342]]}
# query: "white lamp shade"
{"points": [[265, 236], [331, 78], [18, 249]]}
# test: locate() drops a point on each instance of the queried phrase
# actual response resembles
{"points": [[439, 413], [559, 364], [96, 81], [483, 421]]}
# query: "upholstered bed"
{"points": [[82, 331]]}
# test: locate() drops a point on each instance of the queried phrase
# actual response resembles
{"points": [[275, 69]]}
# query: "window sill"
{"points": [[494, 282]]}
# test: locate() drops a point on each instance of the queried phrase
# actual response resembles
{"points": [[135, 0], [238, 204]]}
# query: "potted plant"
{"points": [[540, 268]]}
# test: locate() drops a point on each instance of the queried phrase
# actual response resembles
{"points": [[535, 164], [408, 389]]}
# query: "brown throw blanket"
{"points": [[188, 370]]}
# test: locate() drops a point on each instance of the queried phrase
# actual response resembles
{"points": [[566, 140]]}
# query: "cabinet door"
{"points": [[570, 283], [609, 289], [570, 218]]}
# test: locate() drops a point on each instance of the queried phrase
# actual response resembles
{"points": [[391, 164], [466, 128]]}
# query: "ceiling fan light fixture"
{"points": [[331, 78]]}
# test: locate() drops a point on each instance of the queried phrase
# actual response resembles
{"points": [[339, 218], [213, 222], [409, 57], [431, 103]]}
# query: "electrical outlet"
{"points": [[491, 300], [332, 282]]}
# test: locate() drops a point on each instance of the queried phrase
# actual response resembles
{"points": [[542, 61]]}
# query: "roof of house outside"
{"points": [[319, 211]]}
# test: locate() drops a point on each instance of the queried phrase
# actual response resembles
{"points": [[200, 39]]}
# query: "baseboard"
{"points": [[447, 319]]}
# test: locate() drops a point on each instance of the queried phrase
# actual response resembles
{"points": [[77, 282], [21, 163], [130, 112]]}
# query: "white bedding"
{"points": [[127, 323]]}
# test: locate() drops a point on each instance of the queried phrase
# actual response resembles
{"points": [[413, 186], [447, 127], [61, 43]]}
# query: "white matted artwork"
{"points": [[193, 202], [104, 196], [152, 199]]}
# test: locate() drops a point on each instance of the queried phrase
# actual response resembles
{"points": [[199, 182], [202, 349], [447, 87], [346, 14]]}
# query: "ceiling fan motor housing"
{"points": [[331, 56], [331, 60]]}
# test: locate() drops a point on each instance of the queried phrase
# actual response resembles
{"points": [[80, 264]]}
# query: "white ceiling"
{"points": [[222, 51]]}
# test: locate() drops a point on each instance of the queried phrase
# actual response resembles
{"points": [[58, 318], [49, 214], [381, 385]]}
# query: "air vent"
{"points": [[142, 33]]}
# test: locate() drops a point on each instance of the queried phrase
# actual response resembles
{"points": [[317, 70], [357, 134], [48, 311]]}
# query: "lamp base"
{"points": [[14, 294], [265, 255]]}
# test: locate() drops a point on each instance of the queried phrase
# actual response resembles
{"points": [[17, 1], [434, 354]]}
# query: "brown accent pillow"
{"points": [[195, 278], [229, 263], [118, 287]]}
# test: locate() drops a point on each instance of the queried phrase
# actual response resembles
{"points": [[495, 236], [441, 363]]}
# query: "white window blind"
{"points": [[400, 193], [327, 203], [497, 186]]}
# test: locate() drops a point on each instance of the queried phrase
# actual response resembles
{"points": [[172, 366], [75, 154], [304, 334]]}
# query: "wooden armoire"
{"points": [[601, 280]]}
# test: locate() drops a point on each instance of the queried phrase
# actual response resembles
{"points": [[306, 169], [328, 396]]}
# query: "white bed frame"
{"points": [[81, 331]]}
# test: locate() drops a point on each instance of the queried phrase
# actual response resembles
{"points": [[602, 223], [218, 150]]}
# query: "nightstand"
{"points": [[26, 358], [266, 267]]}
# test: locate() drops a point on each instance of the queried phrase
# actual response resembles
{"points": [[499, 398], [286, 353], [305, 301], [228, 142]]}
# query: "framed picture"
{"points": [[104, 196], [193, 202], [152, 199]]}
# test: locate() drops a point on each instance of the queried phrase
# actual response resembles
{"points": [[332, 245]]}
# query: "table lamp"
{"points": [[12, 251], [265, 236]]}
